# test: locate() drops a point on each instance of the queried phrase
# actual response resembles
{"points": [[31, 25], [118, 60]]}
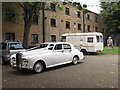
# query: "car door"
{"points": [[57, 55], [67, 52]]}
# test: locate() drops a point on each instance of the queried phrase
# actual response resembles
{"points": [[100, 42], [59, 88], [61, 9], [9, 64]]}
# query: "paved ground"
{"points": [[97, 71]]}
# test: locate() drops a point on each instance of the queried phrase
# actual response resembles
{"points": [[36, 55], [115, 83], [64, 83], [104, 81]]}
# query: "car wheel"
{"points": [[75, 60], [38, 67]]}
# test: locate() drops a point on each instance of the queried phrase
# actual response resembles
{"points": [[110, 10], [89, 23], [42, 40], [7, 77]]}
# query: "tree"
{"points": [[110, 16], [32, 9]]}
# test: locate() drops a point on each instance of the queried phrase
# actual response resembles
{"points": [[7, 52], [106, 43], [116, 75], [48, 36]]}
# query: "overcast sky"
{"points": [[93, 5]]}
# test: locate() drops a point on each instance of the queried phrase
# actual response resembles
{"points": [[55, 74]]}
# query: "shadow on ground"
{"points": [[29, 72]]}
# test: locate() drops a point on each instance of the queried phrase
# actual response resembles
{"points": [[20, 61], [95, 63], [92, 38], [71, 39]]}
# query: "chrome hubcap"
{"points": [[38, 67], [75, 60]]}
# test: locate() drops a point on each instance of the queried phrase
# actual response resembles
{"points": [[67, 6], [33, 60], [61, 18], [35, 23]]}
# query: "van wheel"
{"points": [[75, 60], [38, 67], [84, 51]]}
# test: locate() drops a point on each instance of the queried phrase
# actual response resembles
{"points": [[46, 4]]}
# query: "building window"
{"points": [[10, 36], [67, 11], [95, 19], [35, 19], [67, 25], [79, 26], [88, 16], [96, 29], [88, 28], [78, 14], [52, 7], [34, 39], [103, 31], [53, 22], [53, 38]]}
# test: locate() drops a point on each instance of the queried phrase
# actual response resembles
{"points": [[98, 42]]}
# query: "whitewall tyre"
{"points": [[75, 60], [38, 67]]}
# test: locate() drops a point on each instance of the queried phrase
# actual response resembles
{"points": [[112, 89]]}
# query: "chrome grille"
{"points": [[18, 59]]}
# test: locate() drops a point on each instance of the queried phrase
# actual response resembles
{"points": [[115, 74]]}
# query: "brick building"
{"points": [[69, 20]]}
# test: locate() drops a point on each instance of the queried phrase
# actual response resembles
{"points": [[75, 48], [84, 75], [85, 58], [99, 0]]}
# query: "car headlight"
{"points": [[13, 58], [25, 60]]}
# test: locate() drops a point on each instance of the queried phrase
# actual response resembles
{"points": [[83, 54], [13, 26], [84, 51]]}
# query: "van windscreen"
{"points": [[98, 40], [101, 39]]}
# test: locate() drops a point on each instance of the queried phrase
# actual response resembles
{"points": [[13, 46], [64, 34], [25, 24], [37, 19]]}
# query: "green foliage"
{"points": [[84, 5], [55, 3], [116, 50], [11, 15], [74, 4], [32, 3], [85, 11], [60, 8], [110, 16], [80, 7], [64, 3]]}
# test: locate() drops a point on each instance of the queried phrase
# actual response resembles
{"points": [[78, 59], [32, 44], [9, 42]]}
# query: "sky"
{"points": [[92, 5]]}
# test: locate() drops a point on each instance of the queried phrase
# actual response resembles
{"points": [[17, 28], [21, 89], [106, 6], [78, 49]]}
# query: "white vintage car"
{"points": [[47, 55]]}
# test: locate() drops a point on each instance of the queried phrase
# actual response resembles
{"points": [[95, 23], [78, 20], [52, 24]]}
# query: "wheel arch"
{"points": [[76, 56], [83, 48], [42, 61]]}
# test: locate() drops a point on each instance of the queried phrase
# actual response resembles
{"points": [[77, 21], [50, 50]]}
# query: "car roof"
{"points": [[56, 43]]}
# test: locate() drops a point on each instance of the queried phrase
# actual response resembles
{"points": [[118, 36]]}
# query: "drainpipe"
{"points": [[43, 20], [83, 22]]}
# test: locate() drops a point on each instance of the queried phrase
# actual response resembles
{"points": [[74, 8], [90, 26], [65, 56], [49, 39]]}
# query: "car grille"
{"points": [[18, 59]]}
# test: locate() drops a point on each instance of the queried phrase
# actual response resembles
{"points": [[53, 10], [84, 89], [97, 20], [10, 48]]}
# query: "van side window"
{"points": [[66, 46], [98, 40], [90, 39]]}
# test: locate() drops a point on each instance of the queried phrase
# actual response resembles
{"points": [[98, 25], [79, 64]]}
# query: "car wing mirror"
{"points": [[70, 50], [62, 51]]}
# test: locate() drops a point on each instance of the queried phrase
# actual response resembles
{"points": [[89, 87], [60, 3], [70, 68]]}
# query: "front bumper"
{"points": [[20, 66]]}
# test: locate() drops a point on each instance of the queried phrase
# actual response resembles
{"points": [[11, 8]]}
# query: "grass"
{"points": [[115, 51]]}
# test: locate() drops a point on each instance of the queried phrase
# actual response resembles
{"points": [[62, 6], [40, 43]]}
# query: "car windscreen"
{"points": [[15, 46], [38, 47], [43, 45]]}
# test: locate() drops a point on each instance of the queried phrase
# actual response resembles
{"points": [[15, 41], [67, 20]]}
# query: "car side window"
{"points": [[51, 46], [66, 46], [58, 47]]}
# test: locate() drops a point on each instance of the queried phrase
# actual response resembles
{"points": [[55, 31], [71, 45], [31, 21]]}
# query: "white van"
{"points": [[85, 42]]}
